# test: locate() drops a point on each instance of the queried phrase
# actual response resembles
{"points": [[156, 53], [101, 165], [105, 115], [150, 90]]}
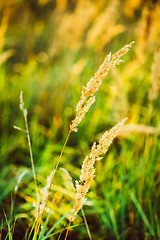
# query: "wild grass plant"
{"points": [[123, 201], [86, 100]]}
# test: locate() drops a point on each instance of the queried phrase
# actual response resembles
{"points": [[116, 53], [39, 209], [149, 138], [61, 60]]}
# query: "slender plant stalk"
{"points": [[68, 229], [87, 226], [85, 221], [56, 169], [41, 216], [30, 147], [29, 141], [60, 234], [31, 154], [14, 227], [8, 224]]}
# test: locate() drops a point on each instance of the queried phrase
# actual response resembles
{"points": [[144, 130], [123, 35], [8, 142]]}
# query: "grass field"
{"points": [[49, 50]]}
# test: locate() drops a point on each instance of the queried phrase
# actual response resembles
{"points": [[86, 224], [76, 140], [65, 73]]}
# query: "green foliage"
{"points": [[53, 58]]}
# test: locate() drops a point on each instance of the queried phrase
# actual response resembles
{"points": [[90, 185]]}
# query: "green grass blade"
{"points": [[31, 230], [114, 223], [46, 222], [57, 223], [8, 224], [142, 214], [51, 235]]}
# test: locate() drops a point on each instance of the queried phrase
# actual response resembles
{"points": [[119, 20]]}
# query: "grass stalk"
{"points": [[29, 141], [30, 151], [9, 227], [68, 229], [41, 216], [86, 223]]}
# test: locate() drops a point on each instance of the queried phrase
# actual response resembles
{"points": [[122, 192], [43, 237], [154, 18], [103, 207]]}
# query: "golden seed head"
{"points": [[81, 114], [88, 170], [87, 97]]}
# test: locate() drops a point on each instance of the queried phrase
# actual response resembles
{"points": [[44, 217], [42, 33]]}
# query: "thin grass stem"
{"points": [[39, 221], [13, 227], [86, 223], [68, 229], [30, 151], [8, 224]]}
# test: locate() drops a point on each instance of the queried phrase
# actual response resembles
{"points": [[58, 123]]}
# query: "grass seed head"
{"points": [[87, 97], [88, 170]]}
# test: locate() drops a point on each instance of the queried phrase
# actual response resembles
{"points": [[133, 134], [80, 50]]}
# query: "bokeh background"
{"points": [[49, 50]]}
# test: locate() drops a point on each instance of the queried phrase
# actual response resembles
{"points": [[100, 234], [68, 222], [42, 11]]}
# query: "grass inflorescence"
{"points": [[49, 50]]}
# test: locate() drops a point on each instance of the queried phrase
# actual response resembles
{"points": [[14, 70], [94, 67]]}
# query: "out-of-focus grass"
{"points": [[56, 48]]}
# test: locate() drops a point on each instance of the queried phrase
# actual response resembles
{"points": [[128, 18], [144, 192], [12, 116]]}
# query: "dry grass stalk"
{"points": [[138, 128], [39, 208], [87, 98], [88, 170], [29, 142]]}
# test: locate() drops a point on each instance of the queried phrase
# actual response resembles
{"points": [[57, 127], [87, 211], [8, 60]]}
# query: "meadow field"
{"points": [[79, 119]]}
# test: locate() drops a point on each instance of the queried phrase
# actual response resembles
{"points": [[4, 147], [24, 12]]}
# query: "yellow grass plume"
{"points": [[88, 170], [87, 97]]}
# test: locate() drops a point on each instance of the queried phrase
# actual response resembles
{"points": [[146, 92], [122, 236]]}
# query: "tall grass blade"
{"points": [[142, 214], [9, 228], [31, 230], [55, 233], [46, 222], [85, 221], [57, 223], [114, 223]]}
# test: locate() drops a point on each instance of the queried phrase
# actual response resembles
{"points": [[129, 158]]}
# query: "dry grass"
{"points": [[87, 98], [88, 169], [127, 183]]}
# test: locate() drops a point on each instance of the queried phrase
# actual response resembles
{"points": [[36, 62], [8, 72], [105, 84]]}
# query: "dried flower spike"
{"points": [[88, 170], [21, 101], [87, 97]]}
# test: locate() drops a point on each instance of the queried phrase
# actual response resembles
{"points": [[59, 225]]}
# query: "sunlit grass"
{"points": [[50, 61]]}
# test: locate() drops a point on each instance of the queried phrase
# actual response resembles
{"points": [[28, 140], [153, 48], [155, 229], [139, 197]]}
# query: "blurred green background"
{"points": [[49, 50]]}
